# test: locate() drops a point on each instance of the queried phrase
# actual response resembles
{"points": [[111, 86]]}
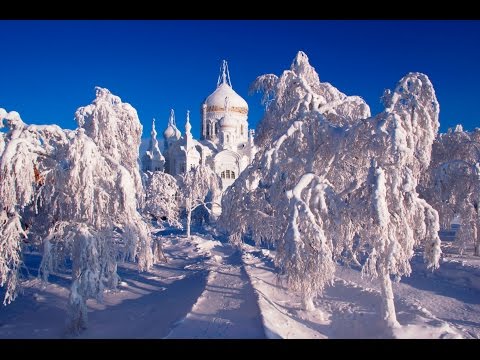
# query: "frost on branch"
{"points": [[265, 84], [115, 128], [300, 91], [329, 183], [305, 246], [25, 156], [452, 183], [161, 196], [11, 233], [200, 187]]}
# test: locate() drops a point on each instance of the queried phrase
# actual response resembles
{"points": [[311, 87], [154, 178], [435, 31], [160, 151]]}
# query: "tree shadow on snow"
{"points": [[463, 322], [238, 318], [151, 315], [443, 287], [161, 297]]}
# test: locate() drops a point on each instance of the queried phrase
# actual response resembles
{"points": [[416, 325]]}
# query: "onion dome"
{"points": [[215, 101], [171, 131]]}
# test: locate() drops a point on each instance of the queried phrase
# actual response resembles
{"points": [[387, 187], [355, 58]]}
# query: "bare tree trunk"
{"points": [[387, 299], [158, 253], [188, 207], [307, 302], [189, 221], [476, 241], [77, 307]]}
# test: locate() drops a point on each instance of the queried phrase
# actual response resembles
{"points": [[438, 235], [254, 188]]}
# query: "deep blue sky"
{"points": [[50, 68]]}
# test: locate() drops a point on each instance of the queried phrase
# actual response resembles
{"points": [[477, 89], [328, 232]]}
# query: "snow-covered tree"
{"points": [[200, 187], [78, 193], [91, 198], [26, 154], [291, 94], [115, 128], [328, 181], [162, 194], [452, 183]]}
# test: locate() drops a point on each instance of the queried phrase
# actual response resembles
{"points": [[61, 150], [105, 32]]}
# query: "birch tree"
{"points": [[452, 183], [330, 180]]}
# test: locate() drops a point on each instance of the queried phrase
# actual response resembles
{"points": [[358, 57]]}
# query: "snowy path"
{"points": [[146, 305], [202, 292], [149, 316], [228, 306]]}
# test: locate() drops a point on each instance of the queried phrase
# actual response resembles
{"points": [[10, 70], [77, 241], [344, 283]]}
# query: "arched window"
{"points": [[227, 174], [241, 129]]}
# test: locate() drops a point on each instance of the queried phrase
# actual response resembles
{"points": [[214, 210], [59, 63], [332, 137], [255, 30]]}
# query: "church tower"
{"points": [[213, 110], [171, 135], [153, 159]]}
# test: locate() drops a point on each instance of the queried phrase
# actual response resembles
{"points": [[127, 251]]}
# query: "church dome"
{"points": [[171, 131], [216, 100]]}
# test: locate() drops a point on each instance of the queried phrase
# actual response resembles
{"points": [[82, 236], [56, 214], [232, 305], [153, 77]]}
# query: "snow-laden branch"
{"points": [[452, 184]]}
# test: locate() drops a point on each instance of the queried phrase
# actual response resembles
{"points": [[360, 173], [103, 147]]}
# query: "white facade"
{"points": [[226, 144]]}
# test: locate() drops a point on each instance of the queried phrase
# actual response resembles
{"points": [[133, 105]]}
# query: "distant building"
{"points": [[226, 144], [153, 159]]}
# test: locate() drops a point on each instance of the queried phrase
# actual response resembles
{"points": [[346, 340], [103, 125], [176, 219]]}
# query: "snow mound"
{"points": [[205, 246], [425, 331]]}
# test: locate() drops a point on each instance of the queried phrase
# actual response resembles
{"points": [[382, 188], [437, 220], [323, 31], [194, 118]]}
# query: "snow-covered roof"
{"points": [[216, 100]]}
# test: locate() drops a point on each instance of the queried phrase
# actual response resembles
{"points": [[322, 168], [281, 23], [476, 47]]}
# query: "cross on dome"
{"points": [[224, 76], [188, 127], [172, 131]]}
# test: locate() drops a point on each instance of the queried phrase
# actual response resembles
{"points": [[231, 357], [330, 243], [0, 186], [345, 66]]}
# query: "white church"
{"points": [[226, 144]]}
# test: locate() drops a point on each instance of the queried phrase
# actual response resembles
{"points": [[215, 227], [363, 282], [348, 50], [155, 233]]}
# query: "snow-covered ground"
{"points": [[147, 305], [227, 308], [429, 305], [209, 290]]}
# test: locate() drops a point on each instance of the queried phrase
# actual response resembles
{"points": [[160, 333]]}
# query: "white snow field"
{"points": [[428, 305], [209, 290]]}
